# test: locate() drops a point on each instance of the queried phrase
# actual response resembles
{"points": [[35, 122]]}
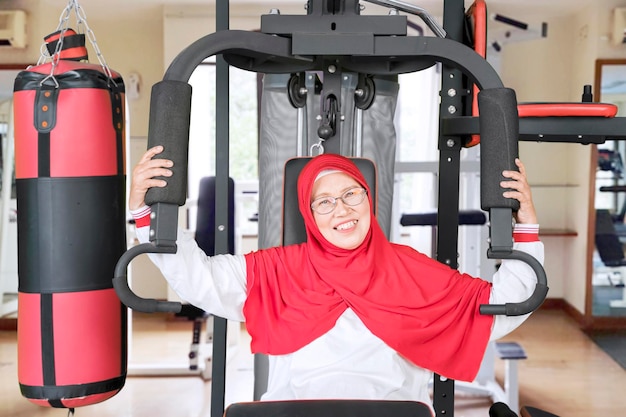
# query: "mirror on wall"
{"points": [[609, 261]]}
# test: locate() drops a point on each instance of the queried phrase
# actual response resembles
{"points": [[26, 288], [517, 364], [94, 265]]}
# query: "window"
{"points": [[417, 129], [243, 145]]}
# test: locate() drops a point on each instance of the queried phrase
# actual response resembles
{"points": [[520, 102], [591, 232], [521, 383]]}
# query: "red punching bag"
{"points": [[70, 180]]}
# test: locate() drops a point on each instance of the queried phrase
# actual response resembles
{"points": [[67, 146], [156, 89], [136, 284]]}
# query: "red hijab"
{"points": [[419, 307]]}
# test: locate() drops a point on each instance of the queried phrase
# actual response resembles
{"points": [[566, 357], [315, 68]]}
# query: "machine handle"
{"points": [[536, 298], [170, 109], [126, 294], [430, 21]]}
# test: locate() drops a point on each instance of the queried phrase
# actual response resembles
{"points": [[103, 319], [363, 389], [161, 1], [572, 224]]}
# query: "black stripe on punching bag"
{"points": [[43, 155], [72, 391], [81, 77], [118, 125], [45, 120], [56, 404], [124, 339], [47, 341], [71, 233]]}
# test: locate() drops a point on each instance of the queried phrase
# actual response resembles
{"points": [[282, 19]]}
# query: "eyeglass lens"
{"points": [[352, 197]]}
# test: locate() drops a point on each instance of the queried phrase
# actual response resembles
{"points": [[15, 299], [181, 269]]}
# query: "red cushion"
{"points": [[566, 109]]}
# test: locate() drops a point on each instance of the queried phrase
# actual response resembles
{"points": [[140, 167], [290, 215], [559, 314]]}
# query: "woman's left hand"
{"points": [[520, 190]]}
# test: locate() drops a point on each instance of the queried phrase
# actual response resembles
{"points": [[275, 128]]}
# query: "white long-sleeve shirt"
{"points": [[348, 362]]}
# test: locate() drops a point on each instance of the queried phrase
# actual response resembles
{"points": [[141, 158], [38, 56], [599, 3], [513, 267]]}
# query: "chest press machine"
{"points": [[333, 39]]}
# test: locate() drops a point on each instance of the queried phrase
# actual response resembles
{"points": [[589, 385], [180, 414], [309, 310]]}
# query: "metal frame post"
{"points": [[222, 158], [452, 93]]}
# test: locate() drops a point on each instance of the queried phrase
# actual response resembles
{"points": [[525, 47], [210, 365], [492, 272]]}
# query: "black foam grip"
{"points": [[499, 132], [170, 110]]}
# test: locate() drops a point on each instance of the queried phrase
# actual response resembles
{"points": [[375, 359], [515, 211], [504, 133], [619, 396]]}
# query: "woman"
{"points": [[348, 314]]}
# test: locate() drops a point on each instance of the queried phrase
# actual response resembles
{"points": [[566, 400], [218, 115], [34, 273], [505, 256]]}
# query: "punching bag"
{"points": [[70, 180]]}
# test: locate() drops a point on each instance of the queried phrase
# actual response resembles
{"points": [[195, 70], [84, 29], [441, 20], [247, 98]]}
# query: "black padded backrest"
{"points": [[608, 244], [205, 219], [293, 223], [328, 408], [604, 222]]}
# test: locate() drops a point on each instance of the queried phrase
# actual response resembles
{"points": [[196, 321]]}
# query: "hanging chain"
{"points": [[62, 27], [82, 20], [82, 27]]}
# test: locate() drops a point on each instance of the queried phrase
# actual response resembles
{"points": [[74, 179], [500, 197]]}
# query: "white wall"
{"points": [[556, 69], [539, 71]]}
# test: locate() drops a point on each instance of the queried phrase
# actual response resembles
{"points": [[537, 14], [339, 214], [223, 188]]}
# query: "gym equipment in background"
{"points": [[334, 39], [293, 44], [70, 179], [611, 252], [367, 131], [610, 162]]}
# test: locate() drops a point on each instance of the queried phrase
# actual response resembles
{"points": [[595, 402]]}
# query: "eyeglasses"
{"points": [[352, 197]]}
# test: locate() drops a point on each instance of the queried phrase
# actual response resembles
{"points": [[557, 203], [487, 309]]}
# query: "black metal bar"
{"points": [[448, 204], [259, 52], [447, 247], [501, 229], [351, 24], [509, 21], [163, 224], [331, 107], [564, 129], [222, 159], [452, 93], [274, 51]]}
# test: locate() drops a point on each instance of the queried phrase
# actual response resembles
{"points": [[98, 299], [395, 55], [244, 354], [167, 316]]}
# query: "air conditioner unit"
{"points": [[13, 28], [619, 26]]}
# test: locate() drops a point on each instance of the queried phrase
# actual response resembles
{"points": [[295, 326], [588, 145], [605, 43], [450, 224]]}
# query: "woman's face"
{"points": [[346, 226]]}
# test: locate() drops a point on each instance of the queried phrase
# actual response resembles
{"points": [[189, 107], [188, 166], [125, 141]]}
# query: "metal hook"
{"points": [[319, 146]]}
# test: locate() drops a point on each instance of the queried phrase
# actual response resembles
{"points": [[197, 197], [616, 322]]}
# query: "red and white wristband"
{"points": [[526, 233], [141, 216]]}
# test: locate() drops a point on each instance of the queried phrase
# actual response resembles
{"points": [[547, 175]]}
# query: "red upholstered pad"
{"points": [[478, 12], [566, 109]]}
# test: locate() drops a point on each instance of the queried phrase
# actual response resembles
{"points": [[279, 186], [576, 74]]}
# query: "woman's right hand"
{"points": [[143, 176]]}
